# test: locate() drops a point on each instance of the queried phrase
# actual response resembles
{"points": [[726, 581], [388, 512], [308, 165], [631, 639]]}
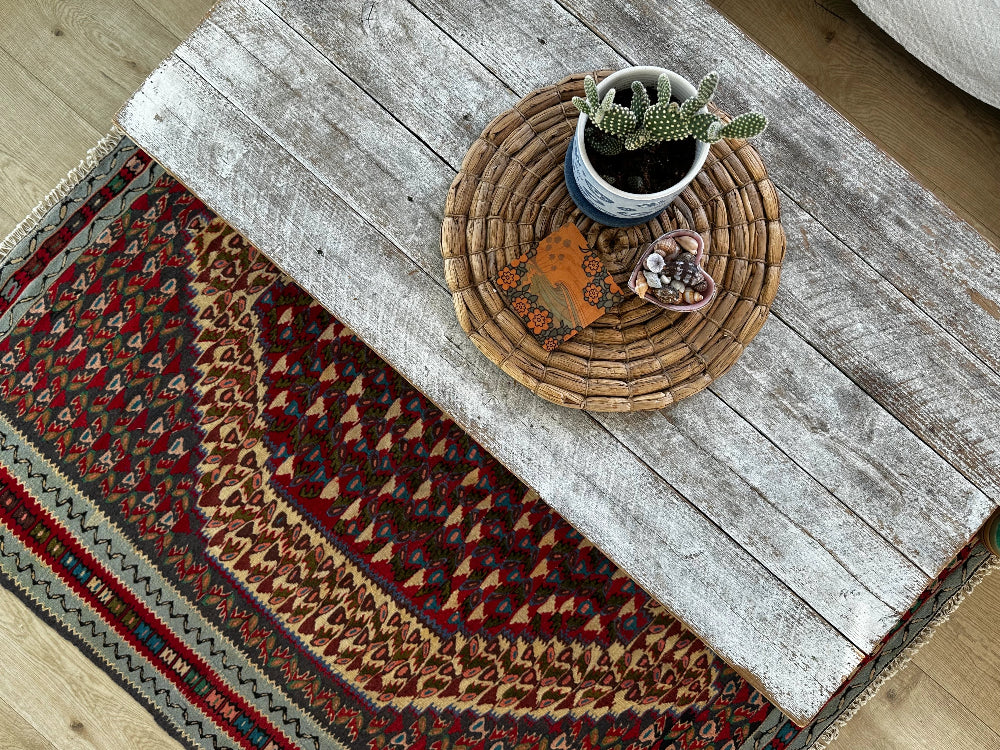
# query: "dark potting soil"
{"points": [[657, 167]]}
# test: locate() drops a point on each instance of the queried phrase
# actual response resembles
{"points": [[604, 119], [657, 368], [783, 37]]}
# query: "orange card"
{"points": [[560, 288]]}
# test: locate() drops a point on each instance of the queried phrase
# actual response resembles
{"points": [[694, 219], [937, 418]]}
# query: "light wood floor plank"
{"points": [[7, 221], [90, 53], [964, 657], [947, 139], [41, 139], [17, 734], [913, 712], [62, 694]]}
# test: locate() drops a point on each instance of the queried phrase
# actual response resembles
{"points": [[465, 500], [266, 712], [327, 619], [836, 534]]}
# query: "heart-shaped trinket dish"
{"points": [[668, 273]]}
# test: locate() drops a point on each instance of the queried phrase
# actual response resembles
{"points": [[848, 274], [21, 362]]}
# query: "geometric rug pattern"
{"points": [[272, 540]]}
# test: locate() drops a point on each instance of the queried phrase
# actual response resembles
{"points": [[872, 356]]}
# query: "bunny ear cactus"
{"points": [[640, 103], [706, 90], [643, 124], [603, 143], [745, 126]]}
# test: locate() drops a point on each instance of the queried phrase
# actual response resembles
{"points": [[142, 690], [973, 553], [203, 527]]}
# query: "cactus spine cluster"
{"points": [[644, 123]]}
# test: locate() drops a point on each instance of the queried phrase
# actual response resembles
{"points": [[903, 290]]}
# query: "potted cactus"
{"points": [[643, 135]]}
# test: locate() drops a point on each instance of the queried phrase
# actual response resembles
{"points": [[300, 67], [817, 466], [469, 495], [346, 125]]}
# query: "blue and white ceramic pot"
{"points": [[598, 199]]}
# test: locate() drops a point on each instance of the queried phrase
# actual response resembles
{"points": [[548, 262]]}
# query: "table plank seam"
{"points": [[445, 160], [787, 193], [943, 331], [439, 282], [265, 5]]}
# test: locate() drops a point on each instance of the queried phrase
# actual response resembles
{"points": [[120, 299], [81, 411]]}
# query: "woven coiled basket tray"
{"points": [[510, 193]]}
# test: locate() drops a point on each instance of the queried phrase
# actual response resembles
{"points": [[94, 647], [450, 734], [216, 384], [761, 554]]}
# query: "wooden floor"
{"points": [[67, 66]]}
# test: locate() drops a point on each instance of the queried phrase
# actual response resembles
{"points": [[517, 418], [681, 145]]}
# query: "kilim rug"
{"points": [[268, 537]]}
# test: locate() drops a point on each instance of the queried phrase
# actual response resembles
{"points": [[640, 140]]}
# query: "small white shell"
{"points": [[655, 262], [652, 279], [676, 284], [687, 242]]}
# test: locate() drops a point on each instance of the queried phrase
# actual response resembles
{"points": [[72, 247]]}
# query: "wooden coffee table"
{"points": [[788, 514]]}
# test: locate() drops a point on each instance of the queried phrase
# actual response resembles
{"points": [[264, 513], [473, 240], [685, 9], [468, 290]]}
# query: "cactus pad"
{"points": [[644, 124], [601, 142], [745, 126], [617, 120]]}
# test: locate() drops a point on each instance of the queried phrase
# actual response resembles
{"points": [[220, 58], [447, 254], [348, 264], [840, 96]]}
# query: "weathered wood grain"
{"points": [[117, 49], [899, 229], [67, 137], [830, 295], [856, 449], [454, 104], [954, 432], [899, 355], [628, 511], [85, 709], [945, 137], [282, 85]]}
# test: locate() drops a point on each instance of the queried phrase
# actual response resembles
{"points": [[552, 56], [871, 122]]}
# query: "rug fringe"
{"points": [[830, 734], [104, 147]]}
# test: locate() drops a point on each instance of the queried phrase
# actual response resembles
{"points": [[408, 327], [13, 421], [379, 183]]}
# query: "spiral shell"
{"points": [[641, 287], [665, 247], [668, 295], [685, 269]]}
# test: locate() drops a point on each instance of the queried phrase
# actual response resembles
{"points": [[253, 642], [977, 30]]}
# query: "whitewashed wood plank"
{"points": [[453, 105], [751, 619], [919, 412], [854, 447], [846, 572], [845, 181], [923, 376], [897, 228]]}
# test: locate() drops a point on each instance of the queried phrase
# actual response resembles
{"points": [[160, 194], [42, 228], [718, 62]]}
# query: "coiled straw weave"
{"points": [[510, 193]]}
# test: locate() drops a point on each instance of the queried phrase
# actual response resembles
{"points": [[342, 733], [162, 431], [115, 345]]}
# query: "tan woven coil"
{"points": [[510, 193]]}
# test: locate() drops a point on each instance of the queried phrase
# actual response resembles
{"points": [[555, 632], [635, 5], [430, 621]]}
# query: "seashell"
{"points": [[688, 243], [668, 295], [678, 285], [685, 268], [691, 296], [665, 247], [652, 279], [655, 262], [641, 287]]}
